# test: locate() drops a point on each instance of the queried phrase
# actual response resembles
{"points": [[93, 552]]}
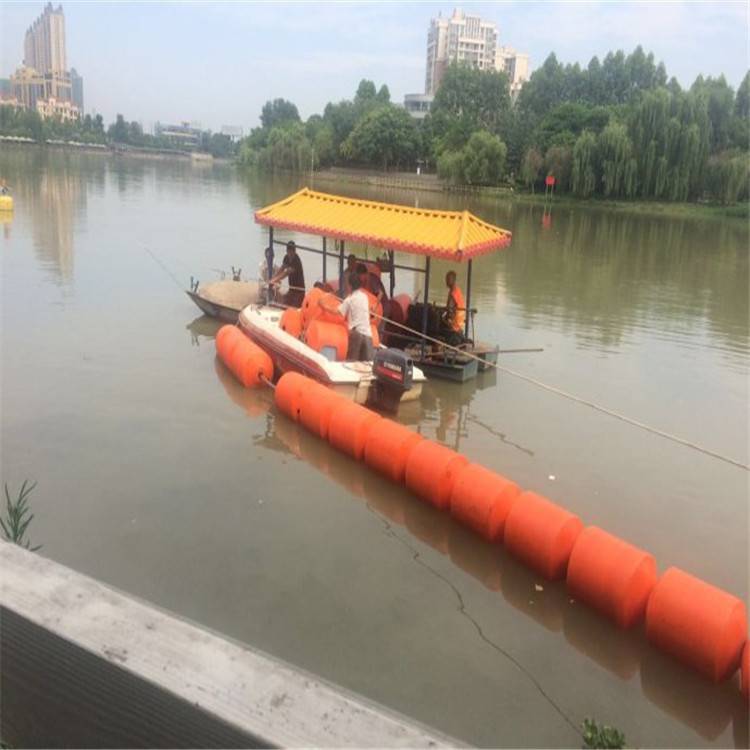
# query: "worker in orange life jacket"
{"points": [[455, 307]]}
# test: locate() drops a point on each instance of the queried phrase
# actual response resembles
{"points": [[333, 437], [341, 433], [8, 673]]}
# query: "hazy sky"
{"points": [[216, 63]]}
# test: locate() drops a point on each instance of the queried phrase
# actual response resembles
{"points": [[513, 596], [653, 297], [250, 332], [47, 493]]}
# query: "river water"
{"points": [[159, 475]]}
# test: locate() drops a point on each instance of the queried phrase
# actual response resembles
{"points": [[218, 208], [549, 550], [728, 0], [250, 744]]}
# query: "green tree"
{"points": [[385, 136], [583, 176], [468, 100], [118, 131], [720, 103], [558, 162], [616, 161], [278, 113], [531, 167], [484, 159]]}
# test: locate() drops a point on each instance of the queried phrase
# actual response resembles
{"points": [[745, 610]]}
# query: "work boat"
{"points": [[409, 325], [384, 383]]}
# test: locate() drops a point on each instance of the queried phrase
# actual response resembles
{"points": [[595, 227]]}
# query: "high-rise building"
{"points": [[76, 85], [43, 82], [44, 45], [515, 65], [460, 38], [471, 41]]}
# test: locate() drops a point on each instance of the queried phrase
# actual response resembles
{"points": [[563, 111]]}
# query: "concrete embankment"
{"points": [[84, 665]]}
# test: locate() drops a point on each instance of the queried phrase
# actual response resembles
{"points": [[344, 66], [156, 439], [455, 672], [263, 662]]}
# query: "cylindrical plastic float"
{"points": [[431, 472], [745, 669], [349, 428], [482, 499], [247, 361], [541, 534], [288, 393], [320, 334], [611, 575], [697, 623], [222, 337], [316, 406], [291, 321], [388, 447], [310, 307]]}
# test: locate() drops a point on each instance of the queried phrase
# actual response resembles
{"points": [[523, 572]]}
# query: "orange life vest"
{"points": [[459, 317]]}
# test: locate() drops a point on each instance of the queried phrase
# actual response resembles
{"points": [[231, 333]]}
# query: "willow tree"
{"points": [[616, 162], [583, 178]]}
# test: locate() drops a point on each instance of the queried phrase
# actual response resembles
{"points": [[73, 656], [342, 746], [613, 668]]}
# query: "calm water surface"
{"points": [[159, 475]]}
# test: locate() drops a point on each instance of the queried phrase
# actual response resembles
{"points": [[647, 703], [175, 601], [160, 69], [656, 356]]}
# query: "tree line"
{"points": [[29, 124], [618, 128]]}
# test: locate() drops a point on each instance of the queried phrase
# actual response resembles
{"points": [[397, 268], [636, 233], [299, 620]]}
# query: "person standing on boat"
{"points": [[454, 316], [291, 268], [356, 310]]}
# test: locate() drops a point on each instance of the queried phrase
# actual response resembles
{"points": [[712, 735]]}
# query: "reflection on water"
{"points": [[152, 479], [679, 692]]}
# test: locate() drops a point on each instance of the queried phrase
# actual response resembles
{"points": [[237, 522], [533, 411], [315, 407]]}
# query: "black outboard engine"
{"points": [[393, 371]]}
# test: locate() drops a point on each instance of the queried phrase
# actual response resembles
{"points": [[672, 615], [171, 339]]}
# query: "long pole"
{"points": [[393, 274], [269, 259], [325, 260], [341, 267], [426, 298], [468, 300]]}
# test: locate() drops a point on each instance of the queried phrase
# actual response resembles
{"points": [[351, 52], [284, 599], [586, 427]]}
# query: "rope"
{"points": [[569, 396], [164, 268]]}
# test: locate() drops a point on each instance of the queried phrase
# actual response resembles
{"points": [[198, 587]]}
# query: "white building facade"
{"points": [[470, 40]]}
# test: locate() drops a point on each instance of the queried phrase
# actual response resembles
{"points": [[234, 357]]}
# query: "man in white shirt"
{"points": [[356, 309]]}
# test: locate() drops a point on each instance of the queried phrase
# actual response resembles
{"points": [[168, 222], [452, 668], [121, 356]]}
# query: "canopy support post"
{"points": [[426, 298], [325, 259], [393, 274], [468, 300], [269, 253], [341, 268]]}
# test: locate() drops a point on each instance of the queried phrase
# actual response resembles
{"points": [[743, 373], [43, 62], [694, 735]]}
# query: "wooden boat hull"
{"points": [[215, 310]]}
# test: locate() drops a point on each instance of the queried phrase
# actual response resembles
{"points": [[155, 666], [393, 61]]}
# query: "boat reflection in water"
{"points": [[707, 709]]}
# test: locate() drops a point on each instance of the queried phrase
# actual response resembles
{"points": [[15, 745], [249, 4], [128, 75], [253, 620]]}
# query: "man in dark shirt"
{"points": [[291, 268]]}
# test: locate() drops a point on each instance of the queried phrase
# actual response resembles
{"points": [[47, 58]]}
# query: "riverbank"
{"points": [[431, 183], [137, 152]]}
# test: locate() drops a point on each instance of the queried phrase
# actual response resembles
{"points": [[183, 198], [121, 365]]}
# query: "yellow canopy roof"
{"points": [[456, 235]]}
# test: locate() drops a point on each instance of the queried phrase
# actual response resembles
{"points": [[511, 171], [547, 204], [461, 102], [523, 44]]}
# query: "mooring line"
{"points": [[417, 558], [164, 268], [577, 399]]}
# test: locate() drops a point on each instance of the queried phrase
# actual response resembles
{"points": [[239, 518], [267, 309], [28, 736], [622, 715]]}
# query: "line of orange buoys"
{"points": [[693, 621]]}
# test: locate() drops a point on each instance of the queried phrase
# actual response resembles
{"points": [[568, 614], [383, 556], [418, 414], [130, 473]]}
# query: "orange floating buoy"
{"points": [[291, 321], [316, 405], [431, 472], [320, 334], [247, 361], [388, 447], [610, 575], [288, 393], [745, 668], [257, 368], [349, 428], [222, 337], [541, 534], [310, 307], [482, 499], [697, 623]]}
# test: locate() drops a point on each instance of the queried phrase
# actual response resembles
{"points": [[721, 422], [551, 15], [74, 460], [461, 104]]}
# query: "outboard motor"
{"points": [[393, 371]]}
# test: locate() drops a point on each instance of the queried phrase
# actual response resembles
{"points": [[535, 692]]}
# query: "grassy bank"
{"points": [[431, 183]]}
